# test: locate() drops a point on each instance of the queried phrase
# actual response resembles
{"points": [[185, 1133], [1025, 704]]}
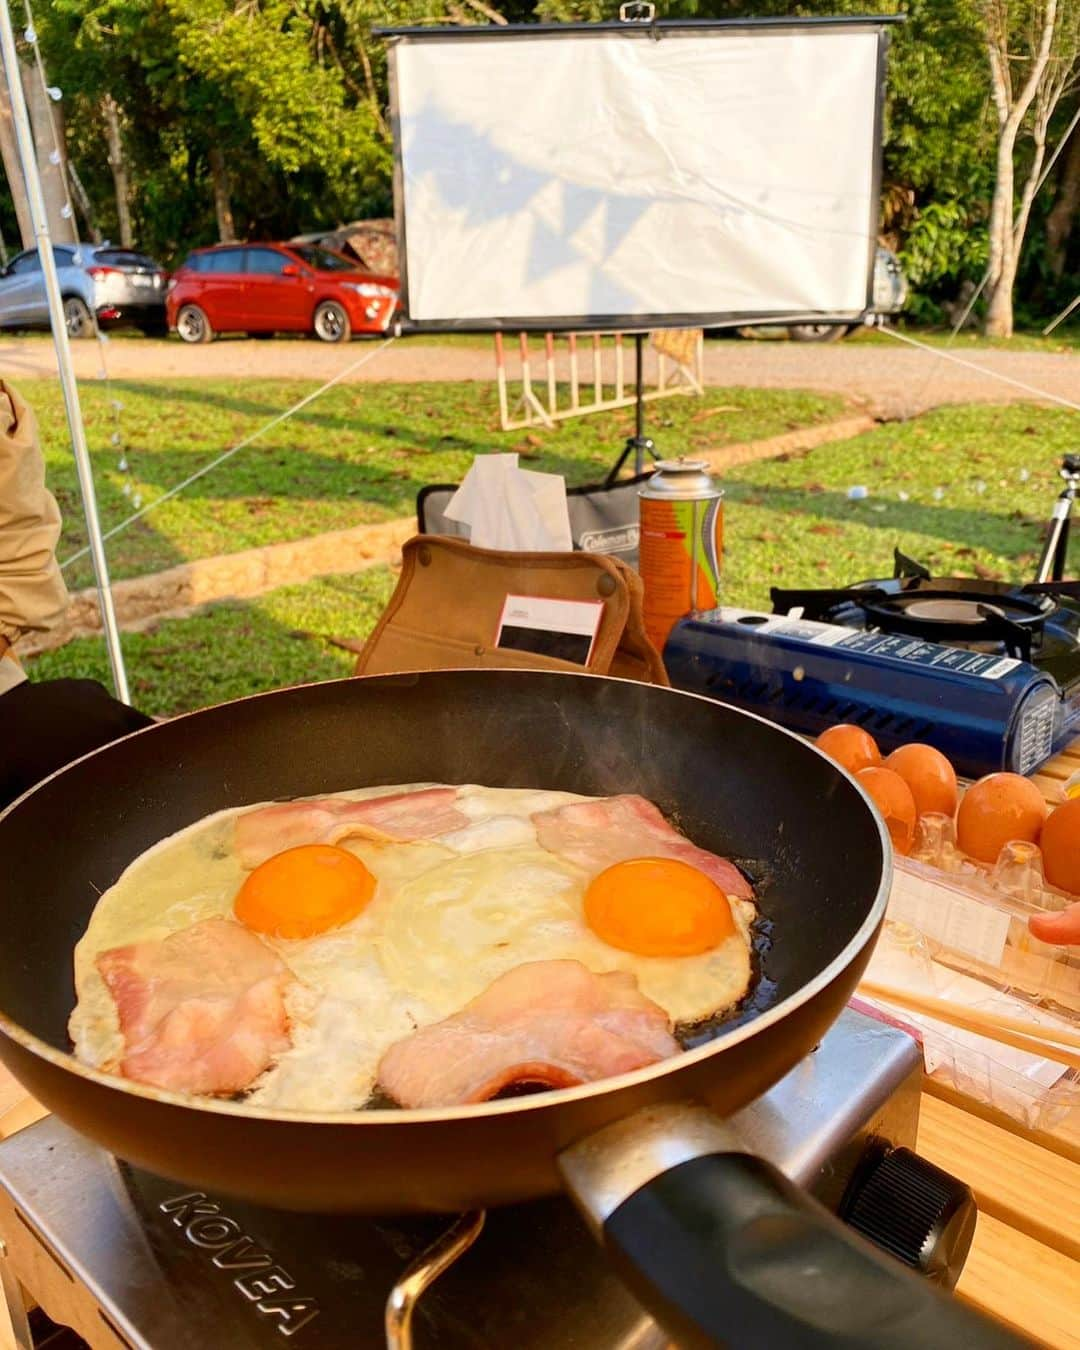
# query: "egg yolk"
{"points": [[658, 907], [304, 891]]}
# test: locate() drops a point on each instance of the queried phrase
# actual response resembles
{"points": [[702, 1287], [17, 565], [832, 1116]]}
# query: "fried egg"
{"points": [[440, 921]]}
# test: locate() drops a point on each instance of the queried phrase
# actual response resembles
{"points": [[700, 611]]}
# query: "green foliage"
{"points": [[268, 85], [941, 249], [293, 95]]}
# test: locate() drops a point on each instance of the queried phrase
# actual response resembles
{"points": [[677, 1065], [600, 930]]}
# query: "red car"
{"points": [[277, 288]]}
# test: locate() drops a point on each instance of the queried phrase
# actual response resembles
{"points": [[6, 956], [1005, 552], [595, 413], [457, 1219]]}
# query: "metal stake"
{"points": [[35, 197]]}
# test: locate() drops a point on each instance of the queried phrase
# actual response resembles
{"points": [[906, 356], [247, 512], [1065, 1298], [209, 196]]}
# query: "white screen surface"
{"points": [[723, 172]]}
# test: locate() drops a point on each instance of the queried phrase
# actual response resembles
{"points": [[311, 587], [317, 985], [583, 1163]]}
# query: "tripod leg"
{"points": [[1052, 562], [1061, 556], [616, 468]]}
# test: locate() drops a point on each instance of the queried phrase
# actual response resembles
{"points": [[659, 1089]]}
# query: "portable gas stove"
{"points": [[128, 1259], [987, 672]]}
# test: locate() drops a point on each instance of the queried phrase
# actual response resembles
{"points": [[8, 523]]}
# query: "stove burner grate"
{"points": [[955, 611], [945, 612]]}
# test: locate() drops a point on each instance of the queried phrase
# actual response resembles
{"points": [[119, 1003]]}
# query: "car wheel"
{"points": [[817, 332], [193, 325], [77, 317], [331, 323]]}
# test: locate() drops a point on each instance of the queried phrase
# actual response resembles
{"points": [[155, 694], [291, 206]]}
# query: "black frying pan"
{"points": [[717, 1244]]}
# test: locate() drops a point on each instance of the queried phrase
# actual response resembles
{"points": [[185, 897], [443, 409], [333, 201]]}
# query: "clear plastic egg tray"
{"points": [[1040, 1094], [974, 917]]}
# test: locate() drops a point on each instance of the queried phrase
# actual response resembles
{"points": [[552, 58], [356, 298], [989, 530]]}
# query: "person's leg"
{"points": [[45, 725]]}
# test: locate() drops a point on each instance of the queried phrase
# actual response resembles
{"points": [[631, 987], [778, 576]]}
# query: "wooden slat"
{"points": [[17, 1108], [17, 1117], [1035, 1289], [1065, 1141], [1055, 771], [1014, 1180]]}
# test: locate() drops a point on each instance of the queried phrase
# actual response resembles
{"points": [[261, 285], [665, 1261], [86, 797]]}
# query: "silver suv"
{"points": [[115, 285]]}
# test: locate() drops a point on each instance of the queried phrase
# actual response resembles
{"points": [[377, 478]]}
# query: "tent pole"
{"points": [[36, 200]]}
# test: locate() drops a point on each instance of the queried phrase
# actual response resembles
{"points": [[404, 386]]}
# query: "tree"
{"points": [[196, 120], [47, 133], [9, 153], [1063, 215], [118, 165], [1033, 48]]}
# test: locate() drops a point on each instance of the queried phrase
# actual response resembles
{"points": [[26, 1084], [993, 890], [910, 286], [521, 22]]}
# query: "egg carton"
{"points": [[1051, 1108], [1038, 1093], [974, 917]]}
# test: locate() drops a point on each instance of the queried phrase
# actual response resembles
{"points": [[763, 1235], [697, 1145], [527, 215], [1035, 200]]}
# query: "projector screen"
{"points": [[613, 176]]}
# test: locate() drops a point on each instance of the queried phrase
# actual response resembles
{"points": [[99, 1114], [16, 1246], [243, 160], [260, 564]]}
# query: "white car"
{"points": [[890, 293]]}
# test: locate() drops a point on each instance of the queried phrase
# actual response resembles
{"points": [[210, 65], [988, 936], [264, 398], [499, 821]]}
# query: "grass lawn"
{"points": [[964, 489], [1064, 338], [237, 648], [359, 453]]}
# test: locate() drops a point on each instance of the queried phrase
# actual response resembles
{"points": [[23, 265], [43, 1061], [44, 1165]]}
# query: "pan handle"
{"points": [[723, 1250]]}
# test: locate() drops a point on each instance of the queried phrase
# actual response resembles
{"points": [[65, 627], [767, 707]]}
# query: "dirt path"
{"points": [[889, 381]]}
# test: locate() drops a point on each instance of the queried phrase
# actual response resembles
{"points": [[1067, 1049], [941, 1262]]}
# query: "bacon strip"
{"points": [[399, 816], [548, 1022], [201, 1010], [598, 833]]}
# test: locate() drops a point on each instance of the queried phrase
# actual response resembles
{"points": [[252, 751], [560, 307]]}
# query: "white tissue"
{"points": [[512, 509]]}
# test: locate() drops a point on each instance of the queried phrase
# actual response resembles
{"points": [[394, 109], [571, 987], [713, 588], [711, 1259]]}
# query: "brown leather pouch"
{"points": [[445, 611]]}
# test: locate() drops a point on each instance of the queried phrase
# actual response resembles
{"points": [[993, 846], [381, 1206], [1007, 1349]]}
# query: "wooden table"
{"points": [[1024, 1265], [1052, 774]]}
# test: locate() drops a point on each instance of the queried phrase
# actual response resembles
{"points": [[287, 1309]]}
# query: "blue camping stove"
{"points": [[986, 672]]}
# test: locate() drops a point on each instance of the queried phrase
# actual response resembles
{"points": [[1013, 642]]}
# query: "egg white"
{"points": [[448, 917], [454, 929]]}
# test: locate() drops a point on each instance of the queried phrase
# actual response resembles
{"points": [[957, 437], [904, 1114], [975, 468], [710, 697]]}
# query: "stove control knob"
{"points": [[916, 1212]]}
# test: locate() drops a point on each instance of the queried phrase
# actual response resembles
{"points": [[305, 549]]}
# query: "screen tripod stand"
{"points": [[1052, 562], [639, 445]]}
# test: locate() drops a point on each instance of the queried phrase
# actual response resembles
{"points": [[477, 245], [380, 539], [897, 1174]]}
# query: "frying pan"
{"points": [[718, 1245]]}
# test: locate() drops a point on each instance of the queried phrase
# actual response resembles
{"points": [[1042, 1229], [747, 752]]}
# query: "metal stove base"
{"points": [[131, 1260]]}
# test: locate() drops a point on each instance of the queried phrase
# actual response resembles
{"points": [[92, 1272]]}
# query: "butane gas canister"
{"points": [[682, 542]]}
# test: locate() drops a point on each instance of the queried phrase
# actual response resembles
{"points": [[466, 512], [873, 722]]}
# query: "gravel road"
{"points": [[893, 381]]}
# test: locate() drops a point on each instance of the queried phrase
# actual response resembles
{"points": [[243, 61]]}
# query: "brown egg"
{"points": [[995, 810], [1060, 843], [851, 747], [894, 800], [929, 775]]}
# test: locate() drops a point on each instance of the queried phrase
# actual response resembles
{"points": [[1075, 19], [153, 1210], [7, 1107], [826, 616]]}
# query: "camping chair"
{"points": [[603, 519]]}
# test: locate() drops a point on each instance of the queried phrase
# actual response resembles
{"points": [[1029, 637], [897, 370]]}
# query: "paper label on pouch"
{"points": [[562, 628]]}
